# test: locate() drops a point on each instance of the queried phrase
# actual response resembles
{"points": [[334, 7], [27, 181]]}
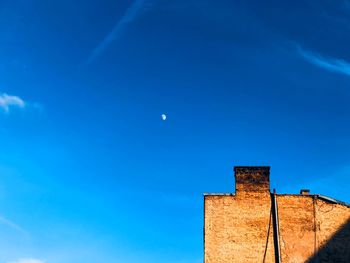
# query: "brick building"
{"points": [[255, 225]]}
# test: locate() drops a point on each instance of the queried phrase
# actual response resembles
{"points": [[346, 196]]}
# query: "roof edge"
{"points": [[322, 197], [219, 194]]}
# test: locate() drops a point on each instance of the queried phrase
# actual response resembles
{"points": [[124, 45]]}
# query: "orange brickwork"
{"points": [[240, 227]]}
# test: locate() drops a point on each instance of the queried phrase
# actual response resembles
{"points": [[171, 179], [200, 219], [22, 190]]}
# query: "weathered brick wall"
{"points": [[332, 232], [296, 227], [236, 229]]}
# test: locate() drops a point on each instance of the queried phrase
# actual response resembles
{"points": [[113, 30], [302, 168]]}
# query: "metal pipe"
{"points": [[276, 238], [315, 223]]}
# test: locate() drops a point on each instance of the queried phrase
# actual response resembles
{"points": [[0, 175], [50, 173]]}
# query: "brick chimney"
{"points": [[252, 178], [304, 191]]}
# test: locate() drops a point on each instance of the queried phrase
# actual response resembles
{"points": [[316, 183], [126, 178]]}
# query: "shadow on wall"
{"points": [[336, 249]]}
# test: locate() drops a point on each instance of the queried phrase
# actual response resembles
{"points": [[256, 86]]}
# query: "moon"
{"points": [[163, 117]]}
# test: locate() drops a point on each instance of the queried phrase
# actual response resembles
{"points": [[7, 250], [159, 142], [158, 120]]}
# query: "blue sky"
{"points": [[89, 171]]}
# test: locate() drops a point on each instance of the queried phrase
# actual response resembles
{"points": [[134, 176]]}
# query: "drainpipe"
{"points": [[276, 237]]}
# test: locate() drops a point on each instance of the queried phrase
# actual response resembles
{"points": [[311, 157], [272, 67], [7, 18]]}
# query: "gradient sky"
{"points": [[89, 171]]}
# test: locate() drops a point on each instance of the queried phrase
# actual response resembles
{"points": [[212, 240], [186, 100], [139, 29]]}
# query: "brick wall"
{"points": [[238, 227]]}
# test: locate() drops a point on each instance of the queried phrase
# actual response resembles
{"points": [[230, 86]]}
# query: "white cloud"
{"points": [[9, 223], [7, 101], [131, 14], [27, 260], [331, 64]]}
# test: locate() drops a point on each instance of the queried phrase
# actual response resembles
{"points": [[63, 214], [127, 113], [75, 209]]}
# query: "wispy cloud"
{"points": [[8, 101], [331, 64], [9, 223], [27, 260], [131, 14]]}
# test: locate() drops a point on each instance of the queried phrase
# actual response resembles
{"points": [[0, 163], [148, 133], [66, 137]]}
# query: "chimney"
{"points": [[252, 178], [304, 191]]}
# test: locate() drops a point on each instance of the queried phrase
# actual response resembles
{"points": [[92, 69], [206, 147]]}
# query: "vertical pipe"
{"points": [[315, 225], [204, 213], [275, 227]]}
